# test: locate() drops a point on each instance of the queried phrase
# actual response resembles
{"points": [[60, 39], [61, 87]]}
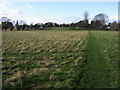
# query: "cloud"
{"points": [[70, 19], [7, 9], [59, 20], [113, 18], [29, 6]]}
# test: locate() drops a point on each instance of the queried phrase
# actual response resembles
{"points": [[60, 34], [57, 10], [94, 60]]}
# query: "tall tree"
{"points": [[32, 25], [84, 23], [86, 15], [103, 18], [5, 19], [17, 26]]}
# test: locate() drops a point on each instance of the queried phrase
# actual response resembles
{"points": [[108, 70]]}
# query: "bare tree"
{"points": [[86, 16], [102, 18], [5, 19], [32, 25], [84, 23], [17, 26]]}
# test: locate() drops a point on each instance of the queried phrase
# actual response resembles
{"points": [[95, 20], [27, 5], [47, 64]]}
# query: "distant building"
{"points": [[40, 27]]}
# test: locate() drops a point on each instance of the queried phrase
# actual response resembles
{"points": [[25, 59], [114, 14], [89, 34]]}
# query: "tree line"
{"points": [[100, 22]]}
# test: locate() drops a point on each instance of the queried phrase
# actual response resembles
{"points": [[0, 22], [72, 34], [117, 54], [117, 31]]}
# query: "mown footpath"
{"points": [[101, 69]]}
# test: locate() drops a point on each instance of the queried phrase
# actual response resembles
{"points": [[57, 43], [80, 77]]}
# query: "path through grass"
{"points": [[101, 70]]}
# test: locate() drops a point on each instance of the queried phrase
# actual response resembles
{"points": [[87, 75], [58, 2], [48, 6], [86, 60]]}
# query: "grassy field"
{"points": [[60, 59]]}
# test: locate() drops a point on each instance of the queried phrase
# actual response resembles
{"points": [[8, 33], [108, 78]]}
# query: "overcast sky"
{"points": [[60, 12]]}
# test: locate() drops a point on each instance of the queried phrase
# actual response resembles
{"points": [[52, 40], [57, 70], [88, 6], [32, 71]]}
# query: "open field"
{"points": [[60, 59]]}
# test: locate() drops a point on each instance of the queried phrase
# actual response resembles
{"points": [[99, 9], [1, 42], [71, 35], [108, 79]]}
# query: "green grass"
{"points": [[60, 59], [100, 70]]}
